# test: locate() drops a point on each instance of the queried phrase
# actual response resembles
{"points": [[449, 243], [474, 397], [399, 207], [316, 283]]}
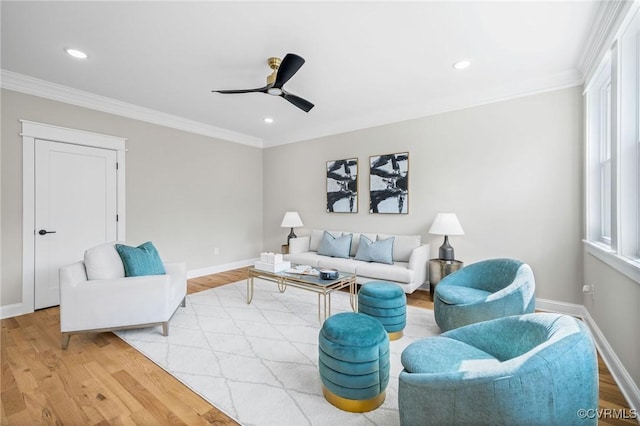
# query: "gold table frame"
{"points": [[312, 283]]}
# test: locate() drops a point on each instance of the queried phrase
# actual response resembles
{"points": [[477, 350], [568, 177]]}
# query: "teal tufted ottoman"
{"points": [[387, 303], [354, 361]]}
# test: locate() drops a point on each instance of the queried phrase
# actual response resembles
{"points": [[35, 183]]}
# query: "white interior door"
{"points": [[75, 209]]}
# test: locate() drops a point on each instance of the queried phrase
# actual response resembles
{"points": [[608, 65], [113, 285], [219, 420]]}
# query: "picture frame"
{"points": [[342, 186], [389, 183]]}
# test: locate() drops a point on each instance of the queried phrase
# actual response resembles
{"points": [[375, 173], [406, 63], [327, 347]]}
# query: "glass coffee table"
{"points": [[310, 283]]}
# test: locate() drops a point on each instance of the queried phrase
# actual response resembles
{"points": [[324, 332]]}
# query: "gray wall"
{"points": [[187, 193], [510, 170], [615, 307]]}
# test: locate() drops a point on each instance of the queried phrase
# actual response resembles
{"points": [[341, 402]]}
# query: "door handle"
{"points": [[45, 232]]}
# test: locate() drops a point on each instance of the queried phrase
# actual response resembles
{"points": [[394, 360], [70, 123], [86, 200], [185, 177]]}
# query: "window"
{"points": [[612, 114], [629, 140], [605, 164], [599, 181]]}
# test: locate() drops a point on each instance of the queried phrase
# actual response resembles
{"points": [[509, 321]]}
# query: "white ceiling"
{"points": [[367, 63]]}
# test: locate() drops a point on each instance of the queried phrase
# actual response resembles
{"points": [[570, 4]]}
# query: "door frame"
{"points": [[30, 132]]}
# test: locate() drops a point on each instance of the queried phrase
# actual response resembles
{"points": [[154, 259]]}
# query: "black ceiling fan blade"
{"points": [[303, 104], [288, 67], [228, 92]]}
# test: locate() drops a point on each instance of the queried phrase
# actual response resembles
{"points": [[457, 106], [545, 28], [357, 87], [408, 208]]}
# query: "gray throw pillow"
{"points": [[380, 251], [335, 246]]}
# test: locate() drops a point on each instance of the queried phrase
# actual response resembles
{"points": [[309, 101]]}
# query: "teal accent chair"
{"points": [[533, 369], [482, 291]]}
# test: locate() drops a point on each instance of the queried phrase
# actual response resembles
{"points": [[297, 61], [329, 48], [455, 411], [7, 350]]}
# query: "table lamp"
{"points": [[291, 220], [446, 224]]}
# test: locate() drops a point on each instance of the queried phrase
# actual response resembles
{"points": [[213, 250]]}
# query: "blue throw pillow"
{"points": [[380, 251], [335, 247], [141, 260]]}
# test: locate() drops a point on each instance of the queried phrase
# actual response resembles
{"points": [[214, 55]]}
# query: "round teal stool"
{"points": [[353, 361], [387, 303]]}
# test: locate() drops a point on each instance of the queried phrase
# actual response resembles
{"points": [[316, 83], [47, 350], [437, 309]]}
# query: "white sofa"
{"points": [[117, 302], [410, 258]]}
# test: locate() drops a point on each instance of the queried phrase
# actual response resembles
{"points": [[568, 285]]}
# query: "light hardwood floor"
{"points": [[100, 380]]}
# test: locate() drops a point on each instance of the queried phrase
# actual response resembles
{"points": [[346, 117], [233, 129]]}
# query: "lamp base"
{"points": [[446, 251], [291, 235]]}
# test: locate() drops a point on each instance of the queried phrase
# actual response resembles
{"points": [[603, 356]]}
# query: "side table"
{"points": [[284, 249], [438, 269]]}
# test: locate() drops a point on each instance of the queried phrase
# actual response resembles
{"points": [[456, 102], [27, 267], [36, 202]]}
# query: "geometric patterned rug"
{"points": [[258, 363]]}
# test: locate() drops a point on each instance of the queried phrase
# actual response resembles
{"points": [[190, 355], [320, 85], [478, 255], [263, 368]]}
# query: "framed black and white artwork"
{"points": [[342, 186], [389, 183]]}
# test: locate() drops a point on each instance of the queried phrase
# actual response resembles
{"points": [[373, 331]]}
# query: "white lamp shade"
{"points": [[291, 220], [446, 224]]}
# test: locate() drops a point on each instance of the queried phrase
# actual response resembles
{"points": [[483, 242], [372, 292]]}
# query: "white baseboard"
{"points": [[628, 388], [548, 305], [14, 310], [194, 273]]}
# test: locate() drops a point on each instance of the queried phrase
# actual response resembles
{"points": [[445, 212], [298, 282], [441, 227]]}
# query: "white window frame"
{"points": [[598, 135], [605, 164], [628, 144], [620, 66]]}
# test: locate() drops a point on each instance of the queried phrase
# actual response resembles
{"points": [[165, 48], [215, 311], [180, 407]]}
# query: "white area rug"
{"points": [[259, 363]]}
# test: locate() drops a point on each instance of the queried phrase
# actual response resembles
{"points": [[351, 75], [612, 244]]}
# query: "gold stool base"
{"points": [[353, 405], [395, 335]]}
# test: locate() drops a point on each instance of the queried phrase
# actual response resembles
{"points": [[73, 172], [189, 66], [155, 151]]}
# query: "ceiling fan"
{"points": [[283, 70]]}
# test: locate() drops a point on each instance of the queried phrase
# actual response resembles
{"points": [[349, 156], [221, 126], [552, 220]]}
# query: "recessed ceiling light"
{"points": [[268, 120], [76, 53], [460, 65]]}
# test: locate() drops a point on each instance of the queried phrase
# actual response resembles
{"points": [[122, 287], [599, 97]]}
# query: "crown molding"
{"points": [[33, 86], [605, 25], [562, 80]]}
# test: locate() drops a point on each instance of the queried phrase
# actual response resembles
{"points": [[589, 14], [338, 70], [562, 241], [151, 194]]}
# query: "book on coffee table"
{"points": [[303, 270]]}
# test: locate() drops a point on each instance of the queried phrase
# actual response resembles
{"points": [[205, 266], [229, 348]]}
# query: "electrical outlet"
{"points": [[216, 251], [589, 289]]}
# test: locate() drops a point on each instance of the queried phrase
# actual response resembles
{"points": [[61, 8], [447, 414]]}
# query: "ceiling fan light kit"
{"points": [[283, 70]]}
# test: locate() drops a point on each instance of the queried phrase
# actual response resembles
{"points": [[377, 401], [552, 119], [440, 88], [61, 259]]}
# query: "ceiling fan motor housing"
{"points": [[274, 64]]}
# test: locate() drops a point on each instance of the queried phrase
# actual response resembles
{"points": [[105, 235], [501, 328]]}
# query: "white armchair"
{"points": [[97, 305]]}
